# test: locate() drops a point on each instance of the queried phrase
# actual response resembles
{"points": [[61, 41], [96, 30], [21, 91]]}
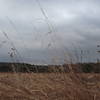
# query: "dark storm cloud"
{"points": [[76, 25]]}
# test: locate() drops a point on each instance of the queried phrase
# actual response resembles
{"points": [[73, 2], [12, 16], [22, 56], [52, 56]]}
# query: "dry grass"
{"points": [[49, 86]]}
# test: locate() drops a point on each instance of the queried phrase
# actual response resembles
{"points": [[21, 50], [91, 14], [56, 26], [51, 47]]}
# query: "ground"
{"points": [[49, 86]]}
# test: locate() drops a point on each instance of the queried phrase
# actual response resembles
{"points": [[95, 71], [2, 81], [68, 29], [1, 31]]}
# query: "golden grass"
{"points": [[49, 86]]}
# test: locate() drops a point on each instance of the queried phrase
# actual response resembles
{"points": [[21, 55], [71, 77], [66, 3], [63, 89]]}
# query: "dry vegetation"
{"points": [[49, 86], [46, 86]]}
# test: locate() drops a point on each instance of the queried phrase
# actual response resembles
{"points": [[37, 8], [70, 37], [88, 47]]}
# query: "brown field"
{"points": [[49, 86]]}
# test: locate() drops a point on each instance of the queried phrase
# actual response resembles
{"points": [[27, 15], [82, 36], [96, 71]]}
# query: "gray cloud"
{"points": [[76, 25]]}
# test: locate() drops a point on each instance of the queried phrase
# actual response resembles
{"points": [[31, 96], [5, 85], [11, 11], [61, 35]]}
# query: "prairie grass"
{"points": [[49, 86]]}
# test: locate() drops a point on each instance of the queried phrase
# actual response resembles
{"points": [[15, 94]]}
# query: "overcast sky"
{"points": [[50, 31]]}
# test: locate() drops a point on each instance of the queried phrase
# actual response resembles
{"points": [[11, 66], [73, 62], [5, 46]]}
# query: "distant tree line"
{"points": [[22, 67]]}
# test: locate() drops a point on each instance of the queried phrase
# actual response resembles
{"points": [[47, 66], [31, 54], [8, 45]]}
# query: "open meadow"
{"points": [[49, 86], [49, 49]]}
